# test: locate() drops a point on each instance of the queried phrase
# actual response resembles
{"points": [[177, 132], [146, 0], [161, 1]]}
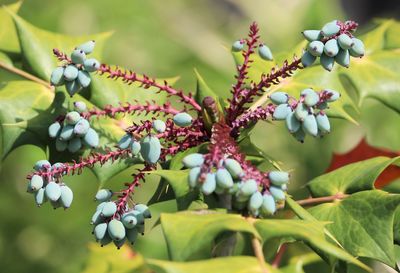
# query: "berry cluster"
{"points": [[305, 115], [75, 72], [49, 188], [230, 178], [335, 42], [115, 225], [72, 131]]}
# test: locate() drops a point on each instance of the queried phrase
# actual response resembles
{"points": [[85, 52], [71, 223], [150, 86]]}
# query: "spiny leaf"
{"points": [[8, 34]]}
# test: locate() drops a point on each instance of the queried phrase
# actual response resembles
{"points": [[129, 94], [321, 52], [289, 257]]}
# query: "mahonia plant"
{"points": [[223, 169]]}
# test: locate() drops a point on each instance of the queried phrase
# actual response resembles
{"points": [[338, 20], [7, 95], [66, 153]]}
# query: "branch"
{"points": [[278, 258], [257, 248], [242, 71], [319, 200], [252, 116], [25, 75]]}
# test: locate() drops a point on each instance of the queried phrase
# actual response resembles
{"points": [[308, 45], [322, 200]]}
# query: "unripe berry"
{"points": [[125, 141], [327, 62], [345, 42], [307, 59], [310, 125], [323, 123], [40, 197], [299, 135], [209, 185], [129, 221], [282, 111], [61, 145], [237, 46], [138, 215], [193, 178], [73, 87], [91, 138], [193, 160], [330, 29], [279, 97], [357, 50], [103, 195], [301, 111], [81, 127], [159, 126], [331, 48], [80, 106], [119, 243], [135, 147], [150, 149], [292, 123], [109, 209], [268, 206], [183, 119], [57, 76], [334, 95], [311, 98], [224, 179], [78, 56], [87, 47], [54, 129], [67, 132], [233, 167], [131, 235], [248, 188], [312, 35], [142, 208], [106, 240], [316, 48], [277, 193], [278, 178], [36, 182], [70, 72], [72, 117], [265, 53], [84, 78], [116, 230], [256, 201], [53, 191], [66, 196], [42, 165], [343, 58], [91, 65], [100, 231], [97, 217]]}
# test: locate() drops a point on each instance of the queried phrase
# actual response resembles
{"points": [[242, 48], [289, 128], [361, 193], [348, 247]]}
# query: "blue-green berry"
{"points": [[343, 58], [91, 65], [125, 141], [80, 106], [193, 160], [331, 48], [265, 53], [129, 221], [277, 193], [78, 56], [224, 178], [334, 95], [103, 195], [40, 197], [66, 196], [91, 138], [73, 87], [74, 145], [61, 145], [57, 76], [116, 230], [84, 78], [238, 46], [311, 98], [330, 29], [282, 111], [307, 59], [183, 119], [72, 117], [327, 62], [159, 126], [150, 149], [109, 209], [310, 126], [67, 132], [292, 123], [143, 209], [316, 48], [256, 201], [87, 47], [312, 35], [278, 178], [100, 231], [268, 206], [323, 123], [193, 178], [345, 42], [248, 188], [42, 165], [36, 182], [301, 111], [70, 72], [279, 97], [135, 147], [233, 167], [131, 235], [299, 135], [358, 49], [81, 127], [209, 184], [53, 191], [54, 129]]}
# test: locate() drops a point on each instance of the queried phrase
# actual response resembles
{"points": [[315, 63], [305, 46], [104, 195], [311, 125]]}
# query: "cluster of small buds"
{"points": [[49, 188], [306, 115], [114, 226], [230, 178], [74, 131], [263, 50], [149, 146], [333, 43], [75, 74]]}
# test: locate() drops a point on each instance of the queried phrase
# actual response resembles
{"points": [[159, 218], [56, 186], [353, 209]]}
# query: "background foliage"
{"points": [[150, 37]]}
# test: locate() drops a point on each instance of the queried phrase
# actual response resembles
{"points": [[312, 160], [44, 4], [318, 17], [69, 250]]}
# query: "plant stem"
{"points": [[319, 200], [278, 258], [257, 248], [25, 75]]}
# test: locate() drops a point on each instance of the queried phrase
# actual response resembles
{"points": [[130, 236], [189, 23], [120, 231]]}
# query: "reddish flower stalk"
{"points": [[146, 82], [128, 108], [77, 167], [261, 113], [242, 71]]}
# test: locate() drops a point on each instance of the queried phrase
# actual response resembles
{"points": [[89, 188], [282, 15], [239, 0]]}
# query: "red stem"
{"points": [[278, 258]]}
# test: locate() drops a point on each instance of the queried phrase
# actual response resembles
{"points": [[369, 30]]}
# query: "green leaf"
{"points": [[363, 223], [203, 90], [8, 34], [178, 180], [237, 264], [311, 232], [25, 109], [37, 46], [6, 75], [351, 178], [190, 235], [396, 226]]}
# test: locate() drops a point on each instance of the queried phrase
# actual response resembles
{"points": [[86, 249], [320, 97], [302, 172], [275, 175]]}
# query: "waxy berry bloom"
{"points": [[221, 169]]}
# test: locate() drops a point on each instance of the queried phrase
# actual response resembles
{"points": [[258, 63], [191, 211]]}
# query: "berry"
{"points": [[70, 73], [67, 132], [256, 201], [61, 145], [57, 76], [209, 184], [183, 119], [42, 165], [334, 95], [87, 47], [54, 129], [330, 29], [343, 58], [248, 188], [307, 59], [237, 46], [224, 179], [150, 149], [277, 193], [109, 209], [81, 127], [97, 217], [40, 197], [138, 215], [91, 138], [278, 178], [143, 209], [78, 56], [345, 42], [84, 78], [282, 111], [36, 182], [268, 206], [316, 48], [129, 221], [357, 50], [301, 111], [72, 118], [131, 235], [312, 35], [159, 126], [299, 135], [193, 178], [53, 191], [80, 106], [233, 168], [116, 230], [73, 87], [279, 97], [91, 65], [311, 98], [331, 48], [327, 62], [100, 231], [265, 53], [193, 160], [106, 240], [310, 125], [135, 147], [323, 123], [66, 196], [125, 141], [292, 123], [103, 195]]}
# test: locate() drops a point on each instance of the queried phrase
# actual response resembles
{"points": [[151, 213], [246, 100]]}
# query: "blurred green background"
{"points": [[164, 41]]}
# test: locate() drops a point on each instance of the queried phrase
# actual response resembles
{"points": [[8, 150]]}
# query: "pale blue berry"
{"points": [[331, 48], [150, 149], [159, 126], [307, 59], [316, 48], [209, 184], [66, 196], [343, 58], [116, 230], [193, 160], [330, 29], [84, 78], [312, 35], [57, 76], [183, 119], [78, 56], [224, 178], [70, 73], [87, 47], [265, 53], [323, 123], [278, 178], [327, 62], [237, 46], [310, 126], [91, 138], [282, 111], [279, 97], [345, 42]]}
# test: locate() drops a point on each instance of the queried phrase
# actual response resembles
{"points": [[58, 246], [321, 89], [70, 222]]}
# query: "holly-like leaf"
{"points": [[237, 264], [365, 151], [190, 235], [351, 178], [8, 34], [363, 223], [203, 90], [5, 74]]}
